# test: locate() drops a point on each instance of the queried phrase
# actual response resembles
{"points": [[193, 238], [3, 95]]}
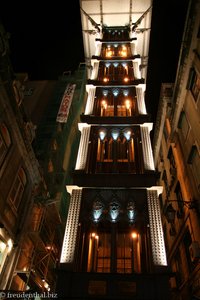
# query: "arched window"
{"points": [[115, 102], [17, 189], [115, 150]]}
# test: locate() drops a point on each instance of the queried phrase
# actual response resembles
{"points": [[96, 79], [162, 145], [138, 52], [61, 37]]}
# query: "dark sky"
{"points": [[45, 41], [168, 20]]}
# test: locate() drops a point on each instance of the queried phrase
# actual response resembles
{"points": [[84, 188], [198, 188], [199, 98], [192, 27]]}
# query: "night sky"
{"points": [[167, 28], [45, 41]]}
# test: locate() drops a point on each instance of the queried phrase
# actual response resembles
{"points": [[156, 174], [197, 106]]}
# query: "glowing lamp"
{"points": [[102, 134], [127, 104], [134, 235], [104, 104], [115, 134], [127, 134]]}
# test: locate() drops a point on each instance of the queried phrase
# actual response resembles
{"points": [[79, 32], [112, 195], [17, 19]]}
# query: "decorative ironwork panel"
{"points": [[69, 241], [156, 230]]}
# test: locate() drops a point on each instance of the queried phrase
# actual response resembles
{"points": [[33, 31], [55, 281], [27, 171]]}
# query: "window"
{"points": [[187, 240], [5, 142], [124, 253], [99, 254], [165, 132], [116, 150], [192, 154], [119, 102], [110, 71], [165, 237], [164, 178], [179, 197], [168, 92], [17, 189], [194, 161], [170, 156], [116, 50], [173, 171], [182, 115], [183, 124], [104, 253], [196, 167], [194, 84], [115, 34], [105, 257]]}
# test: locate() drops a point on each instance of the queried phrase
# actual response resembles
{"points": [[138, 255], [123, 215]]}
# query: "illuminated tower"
{"points": [[113, 245]]}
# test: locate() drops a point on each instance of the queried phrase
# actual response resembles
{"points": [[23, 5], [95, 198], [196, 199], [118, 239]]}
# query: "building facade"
{"points": [[113, 245], [176, 155], [19, 173], [33, 166]]}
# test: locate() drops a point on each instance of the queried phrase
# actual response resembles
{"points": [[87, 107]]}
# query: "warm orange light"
{"points": [[94, 235], [104, 104], [126, 79], [124, 53], [109, 53], [127, 104], [105, 79], [134, 235]]}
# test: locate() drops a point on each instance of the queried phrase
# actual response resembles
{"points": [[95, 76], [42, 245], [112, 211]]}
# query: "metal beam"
{"points": [[91, 20]]}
